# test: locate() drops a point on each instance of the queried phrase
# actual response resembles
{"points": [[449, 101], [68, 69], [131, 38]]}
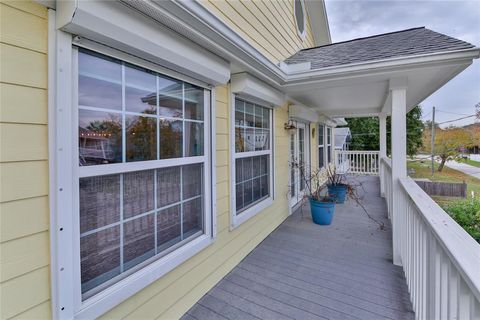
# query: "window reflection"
{"points": [[193, 102], [140, 91], [171, 136], [99, 81], [194, 139], [141, 138], [170, 97], [99, 137]]}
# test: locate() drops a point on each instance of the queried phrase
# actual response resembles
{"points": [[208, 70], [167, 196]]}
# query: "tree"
{"points": [[366, 132], [449, 143]]}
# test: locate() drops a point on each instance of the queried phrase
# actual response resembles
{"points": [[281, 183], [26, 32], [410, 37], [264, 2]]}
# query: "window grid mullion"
{"points": [[181, 203], [121, 224], [155, 209]]}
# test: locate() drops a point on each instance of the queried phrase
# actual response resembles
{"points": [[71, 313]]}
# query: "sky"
{"points": [[459, 19]]}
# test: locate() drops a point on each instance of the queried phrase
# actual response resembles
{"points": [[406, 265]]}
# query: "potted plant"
{"points": [[322, 205], [336, 185]]}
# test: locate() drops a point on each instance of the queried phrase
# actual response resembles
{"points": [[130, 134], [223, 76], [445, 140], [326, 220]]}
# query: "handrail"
{"points": [[462, 249], [387, 161], [357, 162], [440, 260]]}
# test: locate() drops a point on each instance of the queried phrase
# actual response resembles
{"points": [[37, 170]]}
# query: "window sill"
{"points": [[126, 288], [238, 220]]}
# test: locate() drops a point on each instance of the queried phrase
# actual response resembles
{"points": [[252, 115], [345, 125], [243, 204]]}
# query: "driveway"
{"points": [[465, 168]]}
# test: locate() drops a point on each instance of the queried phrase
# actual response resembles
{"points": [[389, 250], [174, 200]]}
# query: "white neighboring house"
{"points": [[342, 138]]}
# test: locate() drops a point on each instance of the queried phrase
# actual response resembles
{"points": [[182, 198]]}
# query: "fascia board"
{"points": [[252, 88], [114, 24]]}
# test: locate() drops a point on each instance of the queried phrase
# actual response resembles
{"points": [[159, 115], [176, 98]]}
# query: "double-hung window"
{"points": [[252, 158], [143, 167], [321, 146]]}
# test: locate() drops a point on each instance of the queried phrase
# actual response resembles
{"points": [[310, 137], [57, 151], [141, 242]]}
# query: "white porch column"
{"points": [[383, 150], [399, 159]]}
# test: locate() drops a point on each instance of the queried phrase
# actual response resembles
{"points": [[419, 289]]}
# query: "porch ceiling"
{"points": [[364, 93]]}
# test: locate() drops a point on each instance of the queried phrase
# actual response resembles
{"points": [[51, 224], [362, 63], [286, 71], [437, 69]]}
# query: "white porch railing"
{"points": [[440, 260], [357, 162]]}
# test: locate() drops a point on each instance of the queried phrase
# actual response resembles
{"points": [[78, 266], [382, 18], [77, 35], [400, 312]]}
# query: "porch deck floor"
{"points": [[306, 271]]}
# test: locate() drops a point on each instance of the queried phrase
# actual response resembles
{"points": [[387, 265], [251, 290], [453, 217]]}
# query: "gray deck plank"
{"points": [[306, 271]]}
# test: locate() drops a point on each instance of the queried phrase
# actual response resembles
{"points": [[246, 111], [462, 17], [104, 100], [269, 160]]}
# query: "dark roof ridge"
{"points": [[362, 38]]}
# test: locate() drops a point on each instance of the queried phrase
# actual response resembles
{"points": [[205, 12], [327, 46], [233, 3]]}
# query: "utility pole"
{"points": [[433, 141]]}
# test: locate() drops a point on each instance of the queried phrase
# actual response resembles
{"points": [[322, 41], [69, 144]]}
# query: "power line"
{"points": [[470, 116], [458, 114]]}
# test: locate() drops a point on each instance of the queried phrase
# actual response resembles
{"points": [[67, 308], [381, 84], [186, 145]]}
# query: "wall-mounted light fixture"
{"points": [[313, 132], [290, 127]]}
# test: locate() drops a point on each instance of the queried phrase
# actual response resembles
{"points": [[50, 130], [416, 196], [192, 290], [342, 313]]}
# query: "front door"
{"points": [[298, 163]]}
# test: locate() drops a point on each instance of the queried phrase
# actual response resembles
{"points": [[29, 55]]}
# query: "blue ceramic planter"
{"points": [[339, 192], [322, 212]]}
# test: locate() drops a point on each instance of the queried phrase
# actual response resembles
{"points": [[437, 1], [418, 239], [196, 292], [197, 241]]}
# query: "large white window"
{"points": [[143, 167], [252, 132]]}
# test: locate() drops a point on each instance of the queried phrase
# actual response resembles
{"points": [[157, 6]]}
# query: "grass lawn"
{"points": [[423, 170], [471, 162]]}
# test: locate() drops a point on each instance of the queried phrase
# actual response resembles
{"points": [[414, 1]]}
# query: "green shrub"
{"points": [[467, 214]]}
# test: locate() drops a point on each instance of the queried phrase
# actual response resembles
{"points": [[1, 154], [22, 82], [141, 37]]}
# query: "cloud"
{"points": [[459, 19]]}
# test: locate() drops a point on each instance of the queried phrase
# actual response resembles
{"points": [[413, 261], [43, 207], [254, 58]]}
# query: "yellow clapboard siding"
{"points": [[222, 158], [221, 94], [221, 126], [222, 189], [20, 142], [23, 217], [222, 174], [28, 6], [41, 311], [270, 15], [255, 20], [223, 205], [23, 30], [20, 180], [22, 66], [24, 255], [23, 104], [224, 12], [222, 142], [24, 292], [223, 221]]}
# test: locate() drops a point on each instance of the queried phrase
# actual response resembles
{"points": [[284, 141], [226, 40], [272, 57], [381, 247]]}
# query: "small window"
{"points": [[252, 155], [321, 146], [300, 18], [135, 203]]}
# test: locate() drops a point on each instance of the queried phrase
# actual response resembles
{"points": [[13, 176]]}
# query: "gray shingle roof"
{"points": [[389, 45]]}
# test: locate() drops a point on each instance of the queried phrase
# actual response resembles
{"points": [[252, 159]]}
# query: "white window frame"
{"points": [[237, 220], [303, 34], [64, 196], [328, 144], [322, 144]]}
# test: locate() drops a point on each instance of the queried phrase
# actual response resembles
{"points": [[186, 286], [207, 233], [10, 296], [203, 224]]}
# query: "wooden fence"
{"points": [[444, 189]]}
